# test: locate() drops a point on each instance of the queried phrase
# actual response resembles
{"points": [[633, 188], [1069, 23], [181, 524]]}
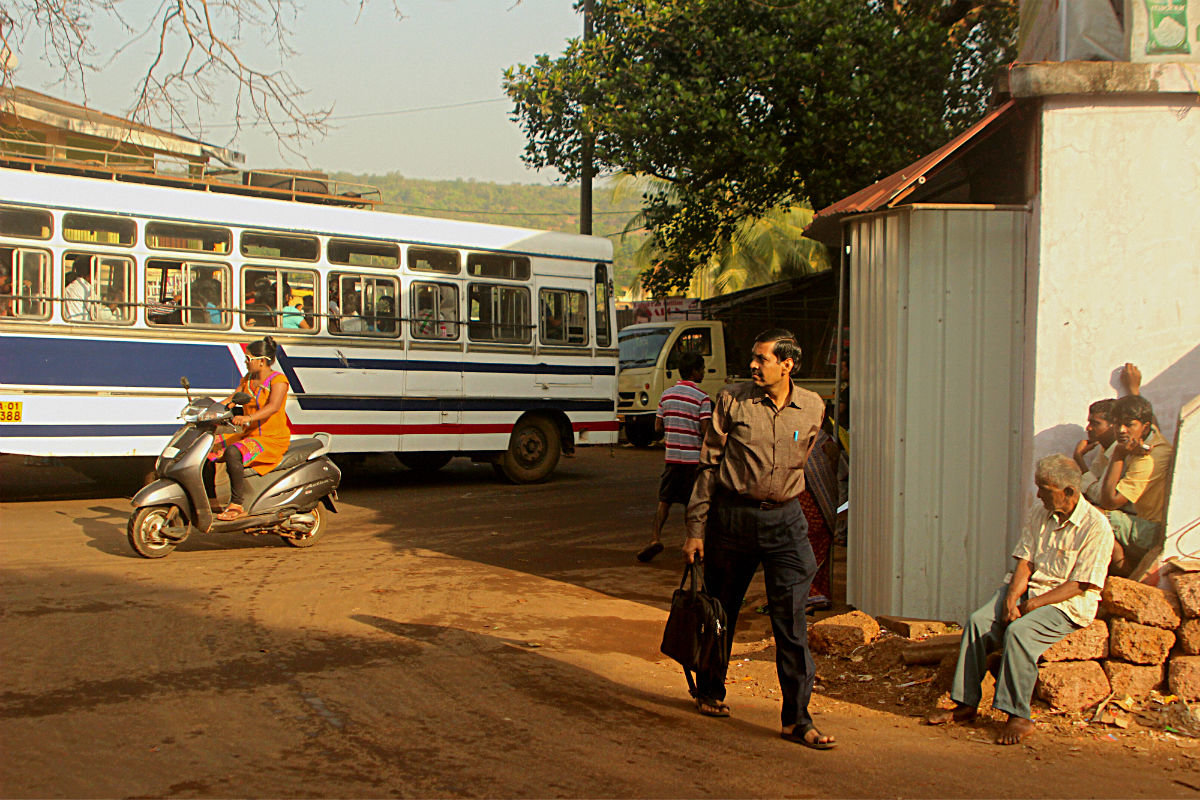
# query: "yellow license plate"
{"points": [[10, 410]]}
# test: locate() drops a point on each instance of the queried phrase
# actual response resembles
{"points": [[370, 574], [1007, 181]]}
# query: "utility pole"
{"points": [[586, 148]]}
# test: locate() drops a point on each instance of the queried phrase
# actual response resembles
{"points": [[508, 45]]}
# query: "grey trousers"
{"points": [[1024, 641]]}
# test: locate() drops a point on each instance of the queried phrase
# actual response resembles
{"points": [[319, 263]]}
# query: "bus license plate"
{"points": [[10, 411]]}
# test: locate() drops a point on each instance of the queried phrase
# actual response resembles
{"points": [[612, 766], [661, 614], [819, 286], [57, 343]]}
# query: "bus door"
{"points": [[433, 381], [563, 331]]}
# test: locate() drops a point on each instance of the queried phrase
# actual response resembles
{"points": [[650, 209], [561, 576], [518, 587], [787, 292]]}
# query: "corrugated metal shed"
{"points": [[937, 322]]}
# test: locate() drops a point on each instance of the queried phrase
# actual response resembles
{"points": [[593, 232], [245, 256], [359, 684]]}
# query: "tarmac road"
{"points": [[450, 636]]}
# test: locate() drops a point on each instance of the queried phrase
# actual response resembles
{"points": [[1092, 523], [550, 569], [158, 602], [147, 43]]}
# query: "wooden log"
{"points": [[931, 650]]}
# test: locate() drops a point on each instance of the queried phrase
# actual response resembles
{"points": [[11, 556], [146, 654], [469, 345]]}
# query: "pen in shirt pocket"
{"points": [[795, 436]]}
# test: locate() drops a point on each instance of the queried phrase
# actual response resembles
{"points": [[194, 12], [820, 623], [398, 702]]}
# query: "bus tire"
{"points": [[424, 462], [145, 532], [533, 451], [639, 431]]}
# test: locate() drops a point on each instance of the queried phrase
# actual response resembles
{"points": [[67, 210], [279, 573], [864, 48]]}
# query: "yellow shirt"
{"points": [[1144, 481]]}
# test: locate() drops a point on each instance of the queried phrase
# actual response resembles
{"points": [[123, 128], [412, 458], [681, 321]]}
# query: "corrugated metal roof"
{"points": [[891, 190]]}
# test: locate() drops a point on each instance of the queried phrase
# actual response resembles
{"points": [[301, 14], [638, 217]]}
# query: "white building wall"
{"points": [[1117, 259], [937, 319]]}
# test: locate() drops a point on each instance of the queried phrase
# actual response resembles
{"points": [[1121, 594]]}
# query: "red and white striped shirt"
{"points": [[682, 409]]}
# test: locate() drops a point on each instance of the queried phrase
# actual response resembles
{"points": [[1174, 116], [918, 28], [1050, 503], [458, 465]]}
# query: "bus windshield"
{"points": [[640, 348]]}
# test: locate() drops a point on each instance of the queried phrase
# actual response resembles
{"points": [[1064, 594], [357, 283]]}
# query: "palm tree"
{"points": [[763, 250]]}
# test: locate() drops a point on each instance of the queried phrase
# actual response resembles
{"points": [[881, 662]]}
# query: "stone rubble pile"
{"points": [[1143, 638]]}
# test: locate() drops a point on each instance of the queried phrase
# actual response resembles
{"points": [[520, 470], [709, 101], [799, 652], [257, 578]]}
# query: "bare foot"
{"points": [[943, 716], [1015, 730]]}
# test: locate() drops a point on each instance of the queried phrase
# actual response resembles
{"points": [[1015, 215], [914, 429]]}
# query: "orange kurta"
{"points": [[263, 444]]}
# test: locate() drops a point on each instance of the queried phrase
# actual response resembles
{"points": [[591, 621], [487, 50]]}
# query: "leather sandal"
{"points": [[233, 511]]}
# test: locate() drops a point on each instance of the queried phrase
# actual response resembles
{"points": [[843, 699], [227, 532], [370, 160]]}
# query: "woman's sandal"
{"points": [[801, 737], [232, 512], [711, 708]]}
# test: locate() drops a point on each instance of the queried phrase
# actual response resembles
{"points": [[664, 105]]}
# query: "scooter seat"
{"points": [[298, 452]]}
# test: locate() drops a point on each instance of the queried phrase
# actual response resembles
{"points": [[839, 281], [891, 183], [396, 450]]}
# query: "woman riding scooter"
{"points": [[264, 436]]}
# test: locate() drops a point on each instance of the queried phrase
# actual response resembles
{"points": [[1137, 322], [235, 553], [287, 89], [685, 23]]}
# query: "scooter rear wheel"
{"points": [[145, 531], [314, 533]]}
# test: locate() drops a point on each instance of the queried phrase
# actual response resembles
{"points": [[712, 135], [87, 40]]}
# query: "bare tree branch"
{"points": [[204, 57]]}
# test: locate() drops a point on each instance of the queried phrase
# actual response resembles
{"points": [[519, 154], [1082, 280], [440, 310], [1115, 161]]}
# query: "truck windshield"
{"points": [[641, 348]]}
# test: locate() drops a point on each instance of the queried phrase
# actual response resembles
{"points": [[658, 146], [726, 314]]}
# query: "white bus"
{"points": [[424, 337]]}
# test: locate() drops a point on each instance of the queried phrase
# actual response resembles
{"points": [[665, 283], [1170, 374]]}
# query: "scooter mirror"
{"points": [[241, 398], [187, 386]]}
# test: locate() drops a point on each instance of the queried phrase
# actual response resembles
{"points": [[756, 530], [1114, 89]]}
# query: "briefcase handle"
{"points": [[694, 571]]}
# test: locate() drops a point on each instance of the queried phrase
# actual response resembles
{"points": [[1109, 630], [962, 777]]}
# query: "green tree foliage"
{"points": [[748, 105]]}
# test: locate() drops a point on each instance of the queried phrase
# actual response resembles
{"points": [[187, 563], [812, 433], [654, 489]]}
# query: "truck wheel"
{"points": [[145, 532], [533, 451], [424, 462], [640, 431]]}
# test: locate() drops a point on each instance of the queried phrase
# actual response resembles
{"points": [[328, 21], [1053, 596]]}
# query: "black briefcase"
{"points": [[697, 633]]}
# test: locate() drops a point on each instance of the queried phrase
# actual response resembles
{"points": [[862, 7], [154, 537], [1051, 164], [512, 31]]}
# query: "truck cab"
{"points": [[649, 364]]}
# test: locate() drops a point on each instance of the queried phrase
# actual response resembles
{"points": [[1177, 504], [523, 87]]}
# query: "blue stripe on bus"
{"points": [[315, 362], [55, 361], [310, 403], [44, 431], [52, 361]]}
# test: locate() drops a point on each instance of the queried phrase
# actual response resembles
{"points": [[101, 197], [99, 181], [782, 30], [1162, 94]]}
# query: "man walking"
{"points": [[683, 415], [744, 511]]}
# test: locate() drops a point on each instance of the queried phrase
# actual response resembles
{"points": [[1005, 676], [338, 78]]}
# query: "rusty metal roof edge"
{"points": [[895, 187]]}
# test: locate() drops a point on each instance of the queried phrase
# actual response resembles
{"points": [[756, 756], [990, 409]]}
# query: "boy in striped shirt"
{"points": [[683, 416]]}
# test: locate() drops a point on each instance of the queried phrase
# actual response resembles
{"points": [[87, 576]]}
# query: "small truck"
{"points": [[649, 364]]}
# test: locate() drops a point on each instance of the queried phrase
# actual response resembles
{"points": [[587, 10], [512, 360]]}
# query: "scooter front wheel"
{"points": [[308, 538], [147, 529]]}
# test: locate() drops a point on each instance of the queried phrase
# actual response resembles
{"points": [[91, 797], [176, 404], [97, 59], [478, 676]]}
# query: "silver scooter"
{"points": [[286, 502]]}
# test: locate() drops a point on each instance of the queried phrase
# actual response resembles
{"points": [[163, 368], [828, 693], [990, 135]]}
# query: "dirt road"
{"points": [[451, 636]]}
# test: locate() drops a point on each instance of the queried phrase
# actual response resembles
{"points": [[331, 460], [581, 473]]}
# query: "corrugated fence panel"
{"points": [[935, 381]]}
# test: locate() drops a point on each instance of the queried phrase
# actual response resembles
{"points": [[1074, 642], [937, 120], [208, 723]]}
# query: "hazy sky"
{"points": [[444, 52]]}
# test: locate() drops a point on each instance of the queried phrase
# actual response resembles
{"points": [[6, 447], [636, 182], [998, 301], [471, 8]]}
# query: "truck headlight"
{"points": [[644, 398]]}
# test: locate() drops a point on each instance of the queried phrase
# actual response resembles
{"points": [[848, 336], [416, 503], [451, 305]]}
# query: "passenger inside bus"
{"points": [[78, 289], [292, 317], [6, 291], [351, 321], [205, 305], [260, 304], [110, 309], [385, 315]]}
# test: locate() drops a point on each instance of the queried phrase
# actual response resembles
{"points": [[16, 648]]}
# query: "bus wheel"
{"points": [[424, 462], [639, 431], [533, 451]]}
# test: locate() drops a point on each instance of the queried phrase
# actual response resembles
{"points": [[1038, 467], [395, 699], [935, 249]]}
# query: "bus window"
{"points": [[366, 305], [434, 311], [429, 259], [564, 317], [27, 223], [496, 265], [24, 275], [278, 245], [356, 253], [97, 288], [282, 299], [197, 238], [95, 229], [498, 313], [182, 293], [603, 322]]}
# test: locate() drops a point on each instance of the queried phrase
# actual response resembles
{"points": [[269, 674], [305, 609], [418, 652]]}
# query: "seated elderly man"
{"points": [[1136, 473], [1054, 589]]}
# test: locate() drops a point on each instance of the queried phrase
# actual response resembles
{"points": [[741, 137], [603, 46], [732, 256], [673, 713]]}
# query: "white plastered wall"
{"points": [[1116, 255]]}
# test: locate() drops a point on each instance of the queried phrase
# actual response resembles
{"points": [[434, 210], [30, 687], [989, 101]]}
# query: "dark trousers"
{"points": [[739, 537], [233, 467]]}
